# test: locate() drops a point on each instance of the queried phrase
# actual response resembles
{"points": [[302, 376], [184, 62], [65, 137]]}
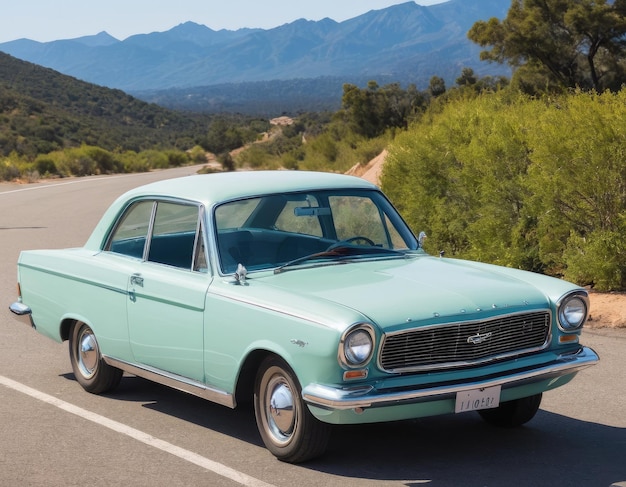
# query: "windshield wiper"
{"points": [[339, 253]]}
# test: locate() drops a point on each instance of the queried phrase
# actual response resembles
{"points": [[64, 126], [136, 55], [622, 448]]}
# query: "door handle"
{"points": [[136, 280]]}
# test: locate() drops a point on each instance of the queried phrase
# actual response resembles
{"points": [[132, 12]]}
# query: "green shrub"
{"points": [[177, 158], [8, 171], [507, 179], [597, 260], [45, 165]]}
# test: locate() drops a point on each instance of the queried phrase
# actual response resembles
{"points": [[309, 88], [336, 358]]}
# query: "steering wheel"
{"points": [[350, 240]]}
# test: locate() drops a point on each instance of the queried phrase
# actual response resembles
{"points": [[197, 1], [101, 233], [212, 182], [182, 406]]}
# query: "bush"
{"points": [[197, 155], [177, 158], [597, 260], [105, 162], [133, 162], [45, 166], [533, 184], [8, 171]]}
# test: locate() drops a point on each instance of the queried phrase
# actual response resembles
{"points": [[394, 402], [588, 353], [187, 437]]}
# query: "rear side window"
{"points": [[129, 237]]}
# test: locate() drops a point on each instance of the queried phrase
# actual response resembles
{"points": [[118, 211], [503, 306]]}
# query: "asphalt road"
{"points": [[52, 433]]}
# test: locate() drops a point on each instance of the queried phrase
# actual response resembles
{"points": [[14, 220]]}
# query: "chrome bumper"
{"points": [[362, 397], [22, 313]]}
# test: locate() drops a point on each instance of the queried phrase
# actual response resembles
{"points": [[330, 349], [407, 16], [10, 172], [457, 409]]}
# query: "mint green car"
{"points": [[307, 294]]}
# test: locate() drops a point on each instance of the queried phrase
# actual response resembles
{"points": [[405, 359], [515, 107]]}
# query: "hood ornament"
{"points": [[421, 238]]}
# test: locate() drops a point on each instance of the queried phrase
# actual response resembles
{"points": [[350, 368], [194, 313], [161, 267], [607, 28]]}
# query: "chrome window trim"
{"points": [[146, 247]]}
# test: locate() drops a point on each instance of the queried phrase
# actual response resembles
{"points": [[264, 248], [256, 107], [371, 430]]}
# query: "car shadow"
{"points": [[451, 450], [551, 450], [238, 423]]}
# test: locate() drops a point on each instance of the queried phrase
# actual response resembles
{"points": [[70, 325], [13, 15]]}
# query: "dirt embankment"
{"points": [[608, 310]]}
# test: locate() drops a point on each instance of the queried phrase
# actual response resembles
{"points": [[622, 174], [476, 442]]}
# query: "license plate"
{"points": [[475, 399]]}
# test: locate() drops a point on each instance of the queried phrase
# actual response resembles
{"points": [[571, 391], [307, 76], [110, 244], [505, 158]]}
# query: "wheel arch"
{"points": [[66, 328], [70, 320], [244, 389]]}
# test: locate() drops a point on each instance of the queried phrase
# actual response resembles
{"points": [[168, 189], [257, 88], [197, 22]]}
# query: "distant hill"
{"points": [[407, 43], [42, 110]]}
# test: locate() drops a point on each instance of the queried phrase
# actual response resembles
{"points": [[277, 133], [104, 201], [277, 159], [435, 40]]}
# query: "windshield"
{"points": [[270, 231]]}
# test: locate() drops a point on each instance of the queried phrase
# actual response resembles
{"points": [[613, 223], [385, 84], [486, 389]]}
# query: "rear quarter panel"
{"points": [[75, 284]]}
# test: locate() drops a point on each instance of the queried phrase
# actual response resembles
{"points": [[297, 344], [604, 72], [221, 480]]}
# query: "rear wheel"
{"points": [[90, 370], [287, 427], [512, 413]]}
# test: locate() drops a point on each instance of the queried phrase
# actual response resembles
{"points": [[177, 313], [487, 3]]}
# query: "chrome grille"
{"points": [[466, 343]]}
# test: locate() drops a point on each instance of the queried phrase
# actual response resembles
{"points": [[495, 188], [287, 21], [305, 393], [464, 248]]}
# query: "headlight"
{"points": [[357, 346], [573, 311]]}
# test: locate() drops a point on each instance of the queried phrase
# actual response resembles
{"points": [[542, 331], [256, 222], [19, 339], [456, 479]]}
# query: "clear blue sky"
{"points": [[47, 20]]}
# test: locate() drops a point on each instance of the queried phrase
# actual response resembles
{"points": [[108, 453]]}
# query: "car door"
{"points": [[167, 289]]}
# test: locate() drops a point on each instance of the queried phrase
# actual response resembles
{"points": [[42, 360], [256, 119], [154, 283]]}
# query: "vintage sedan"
{"points": [[307, 294]]}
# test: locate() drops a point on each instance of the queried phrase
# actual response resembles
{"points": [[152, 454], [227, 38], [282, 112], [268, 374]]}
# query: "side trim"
{"points": [[174, 381], [74, 278], [334, 398], [114, 289]]}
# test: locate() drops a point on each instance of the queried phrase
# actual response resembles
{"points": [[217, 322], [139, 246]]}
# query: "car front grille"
{"points": [[466, 343]]}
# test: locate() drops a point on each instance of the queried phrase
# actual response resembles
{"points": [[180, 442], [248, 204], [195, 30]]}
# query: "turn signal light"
{"points": [[355, 374]]}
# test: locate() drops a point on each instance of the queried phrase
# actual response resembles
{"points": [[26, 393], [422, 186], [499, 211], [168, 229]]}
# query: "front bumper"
{"points": [[360, 398], [22, 313]]}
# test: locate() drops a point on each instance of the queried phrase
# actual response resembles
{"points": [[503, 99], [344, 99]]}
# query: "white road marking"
{"points": [[55, 184], [145, 438]]}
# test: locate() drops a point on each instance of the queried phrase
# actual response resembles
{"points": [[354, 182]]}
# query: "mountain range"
{"points": [[405, 43]]}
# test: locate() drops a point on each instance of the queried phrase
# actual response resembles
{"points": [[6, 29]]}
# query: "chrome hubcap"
{"points": [[281, 410], [87, 353]]}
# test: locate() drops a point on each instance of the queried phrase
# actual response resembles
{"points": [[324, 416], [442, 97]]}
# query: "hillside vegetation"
{"points": [[55, 125], [42, 110]]}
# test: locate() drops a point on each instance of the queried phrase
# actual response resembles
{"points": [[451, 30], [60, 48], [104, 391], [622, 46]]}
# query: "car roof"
{"points": [[214, 188]]}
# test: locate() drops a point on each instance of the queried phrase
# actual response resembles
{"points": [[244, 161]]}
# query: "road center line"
{"points": [[145, 438]]}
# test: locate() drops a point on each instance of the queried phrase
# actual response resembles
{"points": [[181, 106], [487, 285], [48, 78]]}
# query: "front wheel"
{"points": [[287, 427], [514, 413], [90, 370]]}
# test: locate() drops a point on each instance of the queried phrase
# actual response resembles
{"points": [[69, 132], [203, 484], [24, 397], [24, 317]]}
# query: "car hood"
{"points": [[421, 289]]}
